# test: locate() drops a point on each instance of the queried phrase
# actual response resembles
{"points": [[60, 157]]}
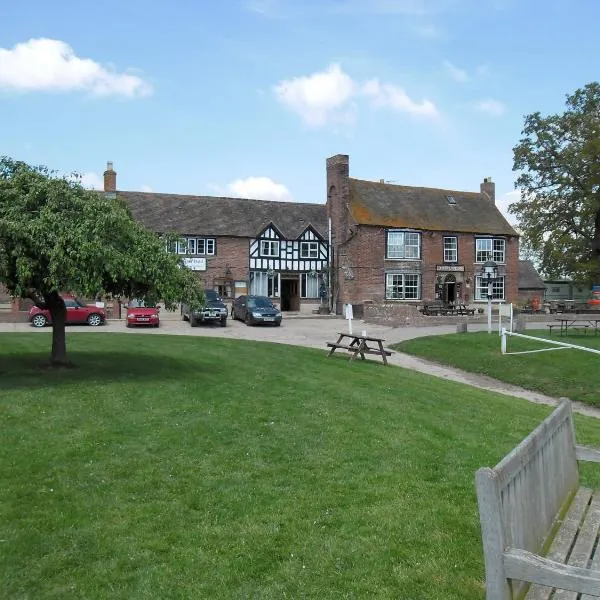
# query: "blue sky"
{"points": [[249, 97]]}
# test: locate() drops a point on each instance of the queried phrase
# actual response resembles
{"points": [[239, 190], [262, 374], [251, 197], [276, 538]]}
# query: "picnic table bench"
{"points": [[359, 345], [539, 528], [437, 308]]}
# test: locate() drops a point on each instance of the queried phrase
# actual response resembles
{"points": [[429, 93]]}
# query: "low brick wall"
{"points": [[405, 315]]}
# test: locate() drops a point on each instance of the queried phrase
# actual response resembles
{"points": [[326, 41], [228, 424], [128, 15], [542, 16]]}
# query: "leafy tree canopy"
{"points": [[558, 158], [56, 236]]}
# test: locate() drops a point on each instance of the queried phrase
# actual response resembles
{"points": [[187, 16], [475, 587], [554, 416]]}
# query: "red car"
{"points": [[77, 312], [140, 314]]}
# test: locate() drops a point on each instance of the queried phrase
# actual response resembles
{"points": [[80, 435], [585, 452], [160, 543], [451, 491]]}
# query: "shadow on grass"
{"points": [[28, 370]]}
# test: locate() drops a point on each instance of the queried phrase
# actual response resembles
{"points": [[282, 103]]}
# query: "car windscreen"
{"points": [[259, 302], [212, 296]]}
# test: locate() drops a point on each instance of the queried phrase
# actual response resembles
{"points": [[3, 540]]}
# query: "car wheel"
{"points": [[156, 324], [224, 322], [127, 324], [193, 322], [39, 321], [248, 320], [277, 323], [94, 320]]}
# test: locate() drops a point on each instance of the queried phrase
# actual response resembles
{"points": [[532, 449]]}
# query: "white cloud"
{"points": [[51, 65], [317, 97], [504, 201], [394, 97], [92, 181], [146, 188], [257, 188], [330, 96], [490, 107], [459, 75]]}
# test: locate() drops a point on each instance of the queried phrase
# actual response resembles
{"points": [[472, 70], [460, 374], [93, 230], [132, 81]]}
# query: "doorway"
{"points": [[290, 299], [450, 289]]}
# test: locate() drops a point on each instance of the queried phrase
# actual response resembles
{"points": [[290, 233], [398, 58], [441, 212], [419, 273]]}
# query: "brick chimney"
{"points": [[110, 179], [488, 189]]}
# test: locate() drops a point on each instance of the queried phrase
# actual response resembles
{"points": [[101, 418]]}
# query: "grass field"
{"points": [[169, 467], [571, 373]]}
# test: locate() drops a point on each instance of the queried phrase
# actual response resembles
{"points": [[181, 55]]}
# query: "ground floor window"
{"points": [[481, 289], [264, 283], [224, 287], [405, 286], [309, 285]]}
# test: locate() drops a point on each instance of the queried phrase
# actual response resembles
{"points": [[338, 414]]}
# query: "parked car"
{"points": [[256, 309], [140, 312], [77, 312], [213, 311]]}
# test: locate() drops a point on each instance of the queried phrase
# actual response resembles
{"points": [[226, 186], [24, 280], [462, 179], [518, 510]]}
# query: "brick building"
{"points": [[240, 246], [413, 244]]}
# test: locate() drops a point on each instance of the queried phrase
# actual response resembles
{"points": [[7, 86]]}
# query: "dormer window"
{"points": [[269, 248], [451, 200]]}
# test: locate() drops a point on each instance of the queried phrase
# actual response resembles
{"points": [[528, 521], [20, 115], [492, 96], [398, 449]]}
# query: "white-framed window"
{"points": [[403, 286], [490, 249], [481, 289], [404, 244], [309, 285], [309, 249], [191, 245], [264, 284], [450, 249], [269, 247], [205, 246], [182, 247]]}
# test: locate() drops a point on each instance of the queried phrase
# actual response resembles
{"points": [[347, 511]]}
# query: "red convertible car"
{"points": [[77, 312], [140, 314]]}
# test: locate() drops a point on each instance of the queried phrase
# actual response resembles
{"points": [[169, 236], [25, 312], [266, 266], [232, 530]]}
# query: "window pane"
{"points": [[402, 287], [259, 284], [450, 249], [481, 289], [395, 244], [201, 246], [499, 246], [210, 246], [484, 249], [191, 245]]}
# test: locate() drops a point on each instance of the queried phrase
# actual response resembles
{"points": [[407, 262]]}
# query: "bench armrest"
{"points": [[587, 453], [525, 566]]}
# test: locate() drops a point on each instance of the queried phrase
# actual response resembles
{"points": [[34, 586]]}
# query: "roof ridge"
{"points": [[414, 187], [234, 198]]}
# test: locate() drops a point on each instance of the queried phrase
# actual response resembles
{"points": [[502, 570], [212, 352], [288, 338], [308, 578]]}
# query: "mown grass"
{"points": [[574, 374], [184, 467]]}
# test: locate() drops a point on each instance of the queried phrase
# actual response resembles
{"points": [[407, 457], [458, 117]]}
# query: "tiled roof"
{"points": [[529, 278], [216, 216], [388, 205]]}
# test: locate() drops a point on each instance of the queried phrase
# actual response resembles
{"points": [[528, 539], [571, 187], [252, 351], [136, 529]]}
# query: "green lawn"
{"points": [[571, 373], [177, 467]]}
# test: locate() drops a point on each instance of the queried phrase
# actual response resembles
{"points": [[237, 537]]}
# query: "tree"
{"points": [[558, 158], [56, 236]]}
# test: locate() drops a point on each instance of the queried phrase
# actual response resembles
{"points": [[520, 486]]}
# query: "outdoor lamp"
{"points": [[489, 273]]}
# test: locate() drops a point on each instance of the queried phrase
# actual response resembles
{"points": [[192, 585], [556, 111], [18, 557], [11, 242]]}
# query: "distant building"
{"points": [[531, 285]]}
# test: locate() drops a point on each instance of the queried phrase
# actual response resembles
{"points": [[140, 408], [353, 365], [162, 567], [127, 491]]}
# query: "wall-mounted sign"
{"points": [[450, 268], [195, 264]]}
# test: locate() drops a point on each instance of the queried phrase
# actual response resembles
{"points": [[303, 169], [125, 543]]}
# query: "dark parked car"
{"points": [[77, 312], [213, 311], [256, 309]]}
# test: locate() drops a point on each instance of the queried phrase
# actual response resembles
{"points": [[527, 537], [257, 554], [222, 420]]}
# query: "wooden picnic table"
{"points": [[575, 321], [359, 345]]}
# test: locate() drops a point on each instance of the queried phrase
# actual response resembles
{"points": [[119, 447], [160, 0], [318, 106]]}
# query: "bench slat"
{"points": [[563, 541], [596, 562], [584, 546], [525, 566]]}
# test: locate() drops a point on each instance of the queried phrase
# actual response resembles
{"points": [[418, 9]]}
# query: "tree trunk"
{"points": [[58, 312], [596, 248]]}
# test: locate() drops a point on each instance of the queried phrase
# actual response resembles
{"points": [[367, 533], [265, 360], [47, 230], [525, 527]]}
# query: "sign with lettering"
{"points": [[450, 268], [195, 264]]}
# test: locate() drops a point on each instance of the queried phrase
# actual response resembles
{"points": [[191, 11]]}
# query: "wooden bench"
{"points": [[539, 528]]}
